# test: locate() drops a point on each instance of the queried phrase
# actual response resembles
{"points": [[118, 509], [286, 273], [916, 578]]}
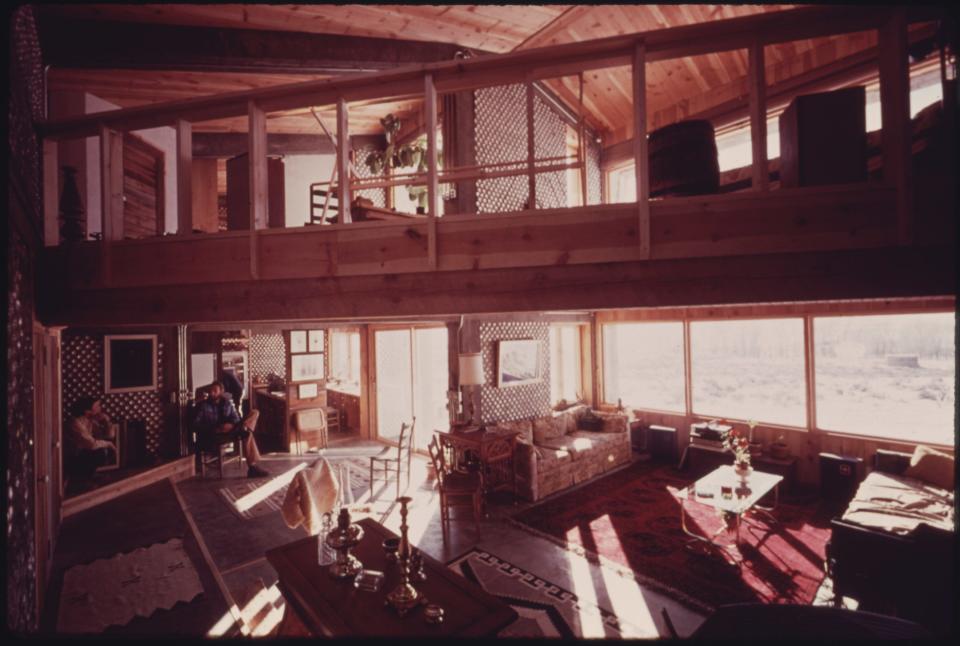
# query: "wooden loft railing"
{"points": [[696, 227]]}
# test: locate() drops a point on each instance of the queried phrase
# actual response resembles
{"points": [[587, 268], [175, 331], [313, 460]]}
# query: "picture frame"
{"points": [[518, 362], [298, 341], [306, 367], [307, 391], [129, 363], [315, 340]]}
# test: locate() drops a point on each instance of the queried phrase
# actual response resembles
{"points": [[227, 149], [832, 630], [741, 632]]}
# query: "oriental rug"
{"points": [[630, 520], [113, 591], [244, 501], [545, 609]]}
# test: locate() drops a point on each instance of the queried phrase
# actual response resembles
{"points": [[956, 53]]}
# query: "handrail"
{"points": [[532, 64]]}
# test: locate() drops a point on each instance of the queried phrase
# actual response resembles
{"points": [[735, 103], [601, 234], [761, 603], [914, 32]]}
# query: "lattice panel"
{"points": [[25, 106], [20, 545], [268, 354], [513, 402], [82, 369], [377, 195], [594, 176], [501, 136]]}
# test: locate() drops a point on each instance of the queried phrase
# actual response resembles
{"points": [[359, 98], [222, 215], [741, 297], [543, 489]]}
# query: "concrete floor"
{"points": [[237, 546]]}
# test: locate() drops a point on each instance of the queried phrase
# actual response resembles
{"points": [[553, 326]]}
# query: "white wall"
{"points": [[299, 171]]}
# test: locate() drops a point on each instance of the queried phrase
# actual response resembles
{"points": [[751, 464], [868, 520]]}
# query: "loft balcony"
{"points": [[750, 238]]}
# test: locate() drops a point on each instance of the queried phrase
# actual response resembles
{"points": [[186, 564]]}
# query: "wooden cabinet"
{"points": [[238, 194], [823, 139], [276, 426], [349, 406]]}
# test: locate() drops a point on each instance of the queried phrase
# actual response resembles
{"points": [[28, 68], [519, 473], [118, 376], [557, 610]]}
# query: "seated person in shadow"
{"points": [[85, 450], [233, 386], [216, 419]]}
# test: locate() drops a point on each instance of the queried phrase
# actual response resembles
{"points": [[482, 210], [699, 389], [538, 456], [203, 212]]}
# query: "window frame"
{"points": [[578, 358]]}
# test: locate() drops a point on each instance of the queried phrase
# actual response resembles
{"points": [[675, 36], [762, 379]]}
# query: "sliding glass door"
{"points": [[411, 373]]}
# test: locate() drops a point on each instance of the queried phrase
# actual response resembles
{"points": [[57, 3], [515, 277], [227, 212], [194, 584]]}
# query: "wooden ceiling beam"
{"points": [[95, 44], [852, 274], [230, 144]]}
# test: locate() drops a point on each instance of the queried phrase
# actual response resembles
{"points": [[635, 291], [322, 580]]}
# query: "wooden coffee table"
{"points": [[742, 501], [334, 608]]}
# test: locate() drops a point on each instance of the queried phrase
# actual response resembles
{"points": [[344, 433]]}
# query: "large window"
{"points": [[643, 365], [887, 375], [749, 369], [565, 363], [345, 356]]}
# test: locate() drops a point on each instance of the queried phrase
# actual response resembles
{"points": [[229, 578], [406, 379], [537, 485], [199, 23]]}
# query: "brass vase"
{"points": [[404, 597], [342, 539]]}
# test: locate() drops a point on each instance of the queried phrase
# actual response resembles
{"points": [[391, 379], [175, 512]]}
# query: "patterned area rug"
{"points": [[545, 609], [631, 520], [244, 501], [113, 591]]}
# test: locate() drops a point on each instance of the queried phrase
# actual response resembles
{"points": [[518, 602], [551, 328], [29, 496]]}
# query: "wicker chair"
{"points": [[395, 465], [456, 489]]}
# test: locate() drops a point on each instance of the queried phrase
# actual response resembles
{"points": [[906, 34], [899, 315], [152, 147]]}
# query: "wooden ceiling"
{"points": [[676, 88]]}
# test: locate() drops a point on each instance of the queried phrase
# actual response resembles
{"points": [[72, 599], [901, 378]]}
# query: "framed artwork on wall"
{"points": [[315, 340], [307, 391], [129, 363], [518, 362], [298, 341], [306, 367]]}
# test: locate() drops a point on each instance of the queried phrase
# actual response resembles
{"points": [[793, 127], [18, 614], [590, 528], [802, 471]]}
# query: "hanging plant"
{"points": [[412, 155]]}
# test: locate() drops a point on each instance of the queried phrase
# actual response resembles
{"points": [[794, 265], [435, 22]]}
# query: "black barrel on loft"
{"points": [[683, 159]]}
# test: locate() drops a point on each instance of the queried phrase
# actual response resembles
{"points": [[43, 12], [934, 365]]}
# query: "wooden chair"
{"points": [[456, 489], [311, 429], [210, 451], [395, 464]]}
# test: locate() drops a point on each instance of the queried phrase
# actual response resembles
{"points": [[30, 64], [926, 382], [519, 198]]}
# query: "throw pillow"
{"points": [[545, 428], [932, 466], [523, 426]]}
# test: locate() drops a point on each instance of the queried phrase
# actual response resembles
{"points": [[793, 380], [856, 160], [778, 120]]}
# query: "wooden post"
{"points": [[895, 114], [433, 188], [580, 145], [531, 152], [810, 374], [640, 147], [51, 193], [111, 196], [368, 383], [184, 176], [758, 116], [257, 163], [343, 162]]}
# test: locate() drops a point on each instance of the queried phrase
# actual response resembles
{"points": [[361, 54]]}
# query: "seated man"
{"points": [[84, 451], [217, 419]]}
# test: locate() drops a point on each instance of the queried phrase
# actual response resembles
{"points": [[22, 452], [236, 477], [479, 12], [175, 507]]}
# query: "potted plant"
{"points": [[738, 444], [411, 155]]}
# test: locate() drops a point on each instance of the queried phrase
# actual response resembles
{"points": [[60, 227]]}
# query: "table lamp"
{"points": [[471, 375]]}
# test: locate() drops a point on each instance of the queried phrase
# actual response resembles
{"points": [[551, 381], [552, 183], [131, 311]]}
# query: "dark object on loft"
{"points": [[683, 159], [823, 139], [238, 194], [911, 575], [71, 207], [783, 621]]}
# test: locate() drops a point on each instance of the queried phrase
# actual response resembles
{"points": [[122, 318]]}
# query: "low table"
{"points": [[334, 608], [743, 501]]}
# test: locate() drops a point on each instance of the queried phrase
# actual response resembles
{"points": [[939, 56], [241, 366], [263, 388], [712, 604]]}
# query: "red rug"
{"points": [[632, 518]]}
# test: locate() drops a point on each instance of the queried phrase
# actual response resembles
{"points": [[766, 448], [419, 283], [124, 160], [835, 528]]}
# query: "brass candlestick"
{"points": [[343, 539], [404, 597]]}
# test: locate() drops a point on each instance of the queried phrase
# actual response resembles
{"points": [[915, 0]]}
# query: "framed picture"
{"points": [[298, 341], [518, 362], [306, 367], [316, 340], [129, 363], [307, 391]]}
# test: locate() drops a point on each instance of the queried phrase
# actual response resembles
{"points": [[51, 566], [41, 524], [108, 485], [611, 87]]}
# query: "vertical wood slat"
{"points": [[184, 176], [51, 193], [433, 187], [343, 162], [758, 116], [810, 372], [531, 151], [111, 197], [640, 155], [895, 117], [257, 165], [581, 145]]}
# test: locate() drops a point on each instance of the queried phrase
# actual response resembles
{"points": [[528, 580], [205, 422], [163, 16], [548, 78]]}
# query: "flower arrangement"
{"points": [[738, 444]]}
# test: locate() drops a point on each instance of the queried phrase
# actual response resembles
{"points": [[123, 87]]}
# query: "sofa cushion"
{"points": [[545, 428], [931, 466], [575, 444], [522, 426], [550, 458]]}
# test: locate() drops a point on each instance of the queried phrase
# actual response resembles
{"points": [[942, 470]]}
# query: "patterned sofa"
{"points": [[553, 453]]}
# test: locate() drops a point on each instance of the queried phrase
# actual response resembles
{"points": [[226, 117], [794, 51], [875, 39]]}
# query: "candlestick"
{"points": [[404, 597]]}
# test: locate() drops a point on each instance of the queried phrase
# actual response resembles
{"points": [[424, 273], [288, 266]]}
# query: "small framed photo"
{"points": [[306, 367], [298, 341], [316, 340], [307, 391], [518, 362]]}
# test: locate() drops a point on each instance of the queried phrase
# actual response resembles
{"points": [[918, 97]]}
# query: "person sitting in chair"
{"points": [[217, 416], [85, 451]]}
